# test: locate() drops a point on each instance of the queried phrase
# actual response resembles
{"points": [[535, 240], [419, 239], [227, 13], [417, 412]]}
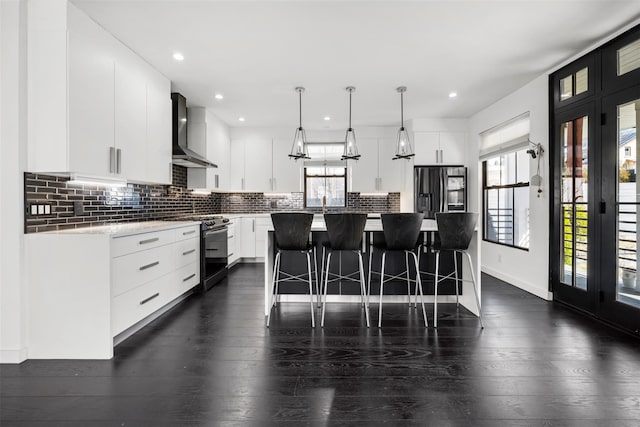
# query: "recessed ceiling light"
{"points": [[327, 118], [241, 119], [178, 56], [219, 96], [452, 95]]}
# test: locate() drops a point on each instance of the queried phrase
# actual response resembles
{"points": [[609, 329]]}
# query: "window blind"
{"points": [[512, 135]]}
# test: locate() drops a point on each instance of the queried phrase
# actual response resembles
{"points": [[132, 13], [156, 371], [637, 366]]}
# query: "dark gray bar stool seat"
{"points": [[455, 230], [345, 232], [401, 232], [291, 230]]}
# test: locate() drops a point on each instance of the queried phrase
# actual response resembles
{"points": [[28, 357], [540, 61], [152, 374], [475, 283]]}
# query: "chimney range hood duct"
{"points": [[182, 155]]}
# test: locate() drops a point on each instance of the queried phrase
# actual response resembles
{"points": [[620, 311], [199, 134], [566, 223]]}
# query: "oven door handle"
{"points": [[213, 232]]}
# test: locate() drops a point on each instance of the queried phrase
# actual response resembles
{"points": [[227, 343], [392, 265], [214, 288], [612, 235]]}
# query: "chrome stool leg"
{"points": [[455, 271], [321, 275], [315, 264], [406, 263], [363, 290], [384, 255], [326, 285], [419, 286], [274, 286], [313, 322], [435, 293]]}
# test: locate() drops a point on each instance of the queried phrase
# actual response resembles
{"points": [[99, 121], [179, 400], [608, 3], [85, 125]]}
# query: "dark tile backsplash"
{"points": [[138, 202]]}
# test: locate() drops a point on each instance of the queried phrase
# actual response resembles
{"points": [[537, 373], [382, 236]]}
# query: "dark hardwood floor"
{"points": [[211, 362]]}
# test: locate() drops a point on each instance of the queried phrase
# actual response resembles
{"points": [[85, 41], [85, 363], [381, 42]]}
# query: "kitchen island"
{"points": [[395, 292]]}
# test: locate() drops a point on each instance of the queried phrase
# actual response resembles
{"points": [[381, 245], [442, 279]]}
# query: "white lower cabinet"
{"points": [[253, 236], [233, 247], [86, 287]]}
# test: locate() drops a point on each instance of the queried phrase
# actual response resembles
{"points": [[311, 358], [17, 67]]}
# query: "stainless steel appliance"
{"points": [[213, 248], [440, 189]]}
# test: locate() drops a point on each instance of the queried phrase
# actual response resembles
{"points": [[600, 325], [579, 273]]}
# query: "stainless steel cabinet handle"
{"points": [[118, 160], [230, 255], [153, 264], [242, 183], [217, 181], [188, 252], [146, 300], [112, 159], [186, 233], [253, 225], [230, 236], [144, 242], [189, 277]]}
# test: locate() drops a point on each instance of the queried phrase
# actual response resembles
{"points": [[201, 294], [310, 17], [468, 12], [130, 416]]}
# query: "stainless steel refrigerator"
{"points": [[440, 189]]}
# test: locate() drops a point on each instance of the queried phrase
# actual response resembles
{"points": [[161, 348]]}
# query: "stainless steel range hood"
{"points": [[182, 155]]}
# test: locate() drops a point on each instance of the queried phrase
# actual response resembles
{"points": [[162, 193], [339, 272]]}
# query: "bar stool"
{"points": [[291, 230], [380, 244], [345, 234], [456, 231], [401, 232]]}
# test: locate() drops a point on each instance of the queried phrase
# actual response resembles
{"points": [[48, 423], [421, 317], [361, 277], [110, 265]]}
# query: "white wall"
{"points": [[13, 138], [529, 270]]}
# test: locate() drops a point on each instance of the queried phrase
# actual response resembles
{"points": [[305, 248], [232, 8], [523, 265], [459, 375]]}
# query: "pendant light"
{"points": [[300, 150], [350, 148], [404, 150]]}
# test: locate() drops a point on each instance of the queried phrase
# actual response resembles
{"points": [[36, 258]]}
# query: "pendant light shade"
{"points": [[404, 150], [350, 147], [299, 149]]}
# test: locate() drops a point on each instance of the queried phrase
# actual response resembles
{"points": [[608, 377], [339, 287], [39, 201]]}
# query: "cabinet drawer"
{"points": [[139, 242], [190, 232], [186, 252], [133, 306], [132, 270], [187, 277]]}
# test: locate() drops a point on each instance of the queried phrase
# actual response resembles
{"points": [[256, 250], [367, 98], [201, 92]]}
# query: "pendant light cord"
{"points": [[300, 105], [350, 109], [401, 109]]}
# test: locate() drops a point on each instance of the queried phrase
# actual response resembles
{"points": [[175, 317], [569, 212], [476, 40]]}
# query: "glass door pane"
{"points": [[574, 136], [628, 290]]}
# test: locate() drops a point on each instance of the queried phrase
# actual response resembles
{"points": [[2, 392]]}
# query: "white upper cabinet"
{"points": [[286, 172], [95, 107], [208, 136], [236, 163], [90, 112], [440, 148], [263, 165], [130, 119], [364, 172], [376, 171], [258, 163], [390, 172], [159, 116]]}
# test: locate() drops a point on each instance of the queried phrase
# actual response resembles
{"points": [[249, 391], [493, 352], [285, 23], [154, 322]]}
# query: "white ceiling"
{"points": [[256, 52]]}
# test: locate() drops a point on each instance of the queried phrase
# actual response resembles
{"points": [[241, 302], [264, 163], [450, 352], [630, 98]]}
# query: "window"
{"points": [[574, 84], [325, 181], [506, 199], [628, 58]]}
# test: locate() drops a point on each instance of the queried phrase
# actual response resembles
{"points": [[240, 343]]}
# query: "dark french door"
{"points": [[576, 214], [620, 298], [595, 104]]}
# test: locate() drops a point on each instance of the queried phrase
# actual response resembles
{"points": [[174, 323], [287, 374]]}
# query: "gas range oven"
{"points": [[213, 248]]}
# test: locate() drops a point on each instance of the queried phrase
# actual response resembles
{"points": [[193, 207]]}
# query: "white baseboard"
{"points": [[13, 356], [518, 283]]}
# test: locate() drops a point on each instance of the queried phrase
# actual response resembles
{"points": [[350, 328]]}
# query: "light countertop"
{"points": [[124, 228]]}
